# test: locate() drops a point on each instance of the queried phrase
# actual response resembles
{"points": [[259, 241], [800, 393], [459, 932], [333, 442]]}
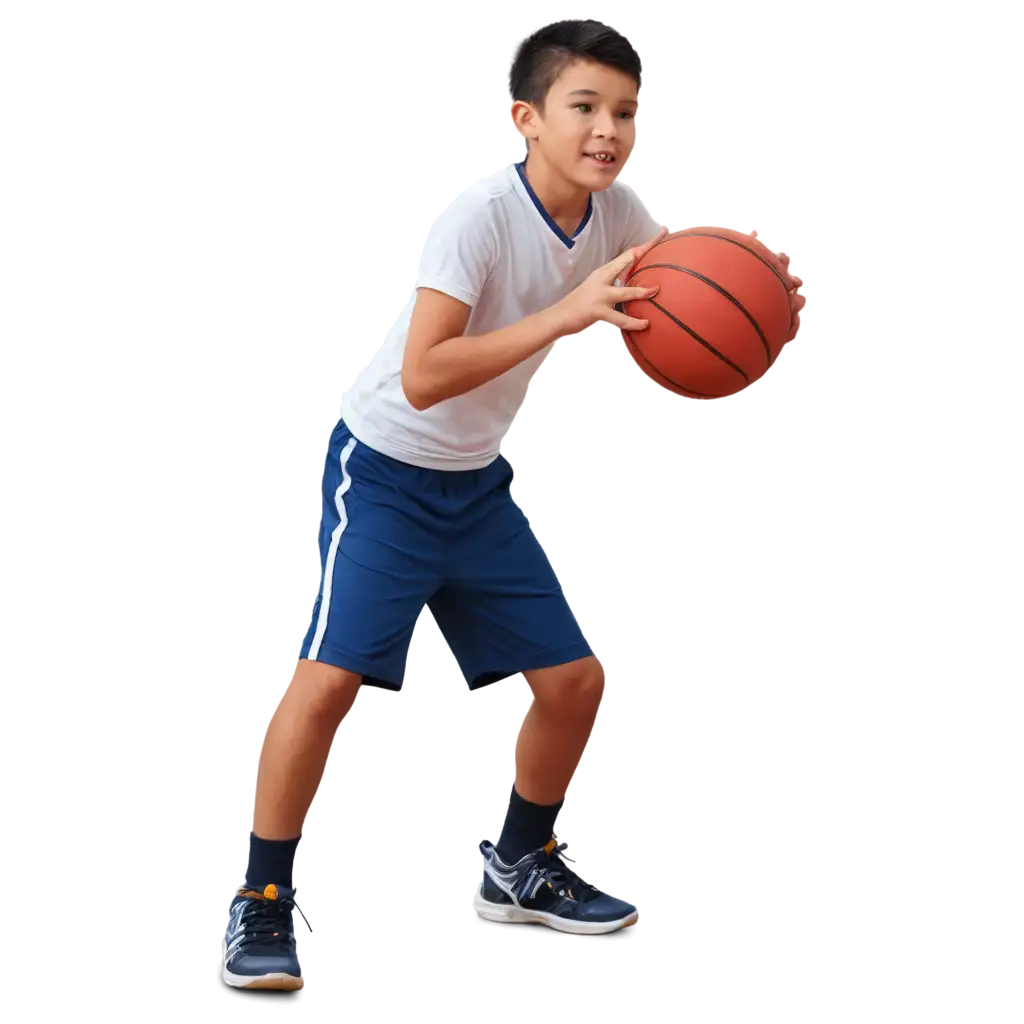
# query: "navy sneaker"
{"points": [[259, 945], [541, 888]]}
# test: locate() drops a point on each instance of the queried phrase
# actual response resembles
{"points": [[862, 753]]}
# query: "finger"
{"points": [[794, 327], [626, 323], [753, 234], [797, 283], [626, 259], [643, 250], [633, 294], [782, 264], [618, 269], [799, 301]]}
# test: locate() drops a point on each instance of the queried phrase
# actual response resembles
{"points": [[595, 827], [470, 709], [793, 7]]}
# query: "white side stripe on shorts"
{"points": [[332, 551]]}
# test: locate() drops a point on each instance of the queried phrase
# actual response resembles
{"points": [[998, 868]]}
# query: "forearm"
{"points": [[458, 365]]}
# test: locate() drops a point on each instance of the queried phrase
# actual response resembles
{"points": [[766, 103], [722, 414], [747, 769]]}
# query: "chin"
{"points": [[602, 183], [593, 182], [598, 181]]}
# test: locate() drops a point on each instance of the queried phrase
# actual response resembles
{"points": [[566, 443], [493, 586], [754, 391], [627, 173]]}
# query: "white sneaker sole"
{"points": [[279, 982], [508, 913]]}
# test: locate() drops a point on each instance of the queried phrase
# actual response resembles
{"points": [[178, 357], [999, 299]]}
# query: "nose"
{"points": [[605, 127]]}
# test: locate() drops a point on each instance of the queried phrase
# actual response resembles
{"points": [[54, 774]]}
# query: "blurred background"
{"points": [[807, 768]]}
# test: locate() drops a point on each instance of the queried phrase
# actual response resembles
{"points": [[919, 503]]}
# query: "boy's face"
{"points": [[589, 109]]}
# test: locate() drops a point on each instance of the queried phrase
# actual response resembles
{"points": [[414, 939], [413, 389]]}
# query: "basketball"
{"points": [[720, 317]]}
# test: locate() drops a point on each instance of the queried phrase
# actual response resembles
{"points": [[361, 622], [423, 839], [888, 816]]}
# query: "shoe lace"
{"points": [[266, 920], [560, 875]]}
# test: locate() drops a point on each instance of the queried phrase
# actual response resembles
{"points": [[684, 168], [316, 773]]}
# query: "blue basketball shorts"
{"points": [[395, 538]]}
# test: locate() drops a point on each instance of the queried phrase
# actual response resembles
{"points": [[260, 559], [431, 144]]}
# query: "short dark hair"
{"points": [[542, 57]]}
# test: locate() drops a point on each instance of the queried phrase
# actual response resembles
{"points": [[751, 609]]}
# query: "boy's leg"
{"points": [[519, 620], [313, 701], [378, 571], [550, 745], [259, 945]]}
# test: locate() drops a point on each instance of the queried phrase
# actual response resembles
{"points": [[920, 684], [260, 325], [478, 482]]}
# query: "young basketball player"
{"points": [[416, 504]]}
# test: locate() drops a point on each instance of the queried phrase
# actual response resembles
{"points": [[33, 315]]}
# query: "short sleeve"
{"points": [[461, 249], [637, 224]]}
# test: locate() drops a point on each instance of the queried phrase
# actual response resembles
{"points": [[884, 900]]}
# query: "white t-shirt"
{"points": [[496, 249]]}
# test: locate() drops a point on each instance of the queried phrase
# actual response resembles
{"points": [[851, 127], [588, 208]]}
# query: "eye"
{"points": [[627, 114], [581, 105]]}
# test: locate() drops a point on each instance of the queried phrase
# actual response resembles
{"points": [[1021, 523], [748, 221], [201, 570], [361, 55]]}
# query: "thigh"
{"points": [[379, 567], [502, 609]]}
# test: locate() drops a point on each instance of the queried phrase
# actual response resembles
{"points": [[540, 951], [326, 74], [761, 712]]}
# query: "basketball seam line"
{"points": [[711, 348], [767, 262], [718, 288], [665, 376], [732, 241]]}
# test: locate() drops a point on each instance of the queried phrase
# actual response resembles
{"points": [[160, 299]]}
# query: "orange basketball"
{"points": [[720, 318]]}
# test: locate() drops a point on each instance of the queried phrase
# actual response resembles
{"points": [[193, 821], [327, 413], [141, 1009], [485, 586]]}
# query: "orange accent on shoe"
{"points": [[270, 892], [550, 846]]}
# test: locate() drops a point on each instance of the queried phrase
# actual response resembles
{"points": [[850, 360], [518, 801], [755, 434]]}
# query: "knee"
{"points": [[576, 690], [327, 691]]}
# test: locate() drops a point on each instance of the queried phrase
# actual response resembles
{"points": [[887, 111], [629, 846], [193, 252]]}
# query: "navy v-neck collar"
{"points": [[562, 236]]}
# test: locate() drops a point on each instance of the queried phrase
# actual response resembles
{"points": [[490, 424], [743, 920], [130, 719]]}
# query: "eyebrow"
{"points": [[594, 92]]}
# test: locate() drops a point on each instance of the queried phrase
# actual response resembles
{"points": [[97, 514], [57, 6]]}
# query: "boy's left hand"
{"points": [[794, 281], [796, 302]]}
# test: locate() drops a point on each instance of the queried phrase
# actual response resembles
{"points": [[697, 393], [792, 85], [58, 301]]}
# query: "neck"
{"points": [[564, 200]]}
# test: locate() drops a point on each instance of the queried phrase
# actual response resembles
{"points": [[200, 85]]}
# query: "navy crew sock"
{"points": [[528, 827], [270, 860]]}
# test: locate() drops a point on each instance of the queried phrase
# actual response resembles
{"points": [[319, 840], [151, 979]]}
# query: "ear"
{"points": [[507, 114], [525, 118]]}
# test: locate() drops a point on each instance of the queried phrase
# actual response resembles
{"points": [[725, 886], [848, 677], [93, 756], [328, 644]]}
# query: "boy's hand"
{"points": [[796, 302], [794, 281], [597, 297]]}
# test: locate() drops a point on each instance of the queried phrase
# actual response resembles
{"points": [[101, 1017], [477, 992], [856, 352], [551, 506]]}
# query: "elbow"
{"points": [[414, 393]]}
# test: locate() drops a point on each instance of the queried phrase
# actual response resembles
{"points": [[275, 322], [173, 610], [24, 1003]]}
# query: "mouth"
{"points": [[602, 158]]}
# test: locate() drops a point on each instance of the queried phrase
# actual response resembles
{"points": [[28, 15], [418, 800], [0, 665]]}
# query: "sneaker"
{"points": [[540, 888], [259, 945]]}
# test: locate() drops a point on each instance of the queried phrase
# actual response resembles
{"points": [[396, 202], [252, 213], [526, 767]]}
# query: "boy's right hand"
{"points": [[597, 297]]}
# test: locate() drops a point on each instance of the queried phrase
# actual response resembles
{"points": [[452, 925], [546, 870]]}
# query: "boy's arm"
{"points": [[602, 333], [641, 227], [440, 362]]}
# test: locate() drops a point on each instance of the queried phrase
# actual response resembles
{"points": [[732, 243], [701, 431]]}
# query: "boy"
{"points": [[417, 509]]}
